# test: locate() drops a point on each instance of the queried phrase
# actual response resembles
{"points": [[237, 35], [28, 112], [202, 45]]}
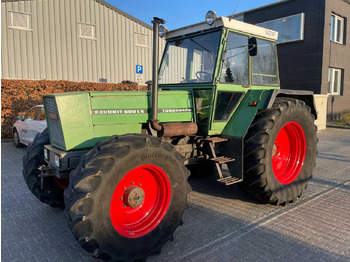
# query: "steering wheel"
{"points": [[203, 78]]}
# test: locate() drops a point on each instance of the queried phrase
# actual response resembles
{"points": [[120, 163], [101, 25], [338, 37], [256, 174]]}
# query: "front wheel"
{"points": [[16, 139], [51, 191], [127, 197], [280, 152]]}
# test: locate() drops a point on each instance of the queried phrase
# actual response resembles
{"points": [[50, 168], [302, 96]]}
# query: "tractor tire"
{"points": [[126, 197], [16, 141], [51, 193], [280, 152]]}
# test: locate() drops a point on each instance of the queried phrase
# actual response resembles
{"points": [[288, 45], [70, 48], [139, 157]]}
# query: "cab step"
{"points": [[218, 161], [216, 139], [229, 180], [222, 159]]}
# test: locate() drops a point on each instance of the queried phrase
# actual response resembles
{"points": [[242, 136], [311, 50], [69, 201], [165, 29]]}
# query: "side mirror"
{"points": [[252, 46], [20, 118]]}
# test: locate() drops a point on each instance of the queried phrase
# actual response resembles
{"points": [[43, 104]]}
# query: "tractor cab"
{"points": [[219, 61]]}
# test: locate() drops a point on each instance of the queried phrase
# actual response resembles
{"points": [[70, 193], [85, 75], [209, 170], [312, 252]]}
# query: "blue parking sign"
{"points": [[139, 69]]}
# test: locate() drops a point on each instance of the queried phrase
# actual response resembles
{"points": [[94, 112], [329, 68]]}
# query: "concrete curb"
{"points": [[336, 126]]}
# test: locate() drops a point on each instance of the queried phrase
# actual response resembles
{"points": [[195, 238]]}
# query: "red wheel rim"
{"points": [[62, 182], [140, 201], [288, 153]]}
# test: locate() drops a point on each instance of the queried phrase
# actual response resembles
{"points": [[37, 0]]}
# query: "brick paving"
{"points": [[222, 223]]}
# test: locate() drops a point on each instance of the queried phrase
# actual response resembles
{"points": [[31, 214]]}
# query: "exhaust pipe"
{"points": [[155, 123], [167, 129]]}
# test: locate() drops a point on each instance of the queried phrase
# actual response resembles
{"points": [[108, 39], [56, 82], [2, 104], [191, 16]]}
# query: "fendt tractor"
{"points": [[119, 162]]}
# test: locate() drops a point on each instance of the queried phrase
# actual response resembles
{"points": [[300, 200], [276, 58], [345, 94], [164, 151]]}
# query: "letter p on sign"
{"points": [[139, 69]]}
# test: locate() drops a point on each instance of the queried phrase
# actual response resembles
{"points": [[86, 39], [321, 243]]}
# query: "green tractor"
{"points": [[119, 161]]}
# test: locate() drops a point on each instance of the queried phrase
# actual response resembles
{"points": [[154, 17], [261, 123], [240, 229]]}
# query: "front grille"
{"points": [[55, 127]]}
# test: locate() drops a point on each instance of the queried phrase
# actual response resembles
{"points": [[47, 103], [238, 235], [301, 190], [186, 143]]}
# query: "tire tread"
{"points": [[87, 177], [255, 182]]}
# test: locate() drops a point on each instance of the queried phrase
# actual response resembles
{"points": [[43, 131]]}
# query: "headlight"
{"points": [[57, 161], [46, 154], [162, 30], [210, 17]]}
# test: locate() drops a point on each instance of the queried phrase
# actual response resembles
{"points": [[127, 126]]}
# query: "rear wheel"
{"points": [[127, 197], [280, 152], [51, 192]]}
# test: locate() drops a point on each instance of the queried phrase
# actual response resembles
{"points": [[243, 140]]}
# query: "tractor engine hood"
{"points": [[80, 120]]}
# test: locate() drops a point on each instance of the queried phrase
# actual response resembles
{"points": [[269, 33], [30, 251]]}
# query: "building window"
{"points": [[87, 31], [335, 77], [239, 17], [20, 21], [337, 29], [141, 40], [290, 28]]}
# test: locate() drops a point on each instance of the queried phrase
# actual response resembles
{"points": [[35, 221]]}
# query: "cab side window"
{"points": [[265, 64], [226, 102], [235, 68], [203, 100], [30, 115]]}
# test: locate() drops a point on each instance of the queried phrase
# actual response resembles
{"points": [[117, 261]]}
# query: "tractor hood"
{"points": [[79, 120]]}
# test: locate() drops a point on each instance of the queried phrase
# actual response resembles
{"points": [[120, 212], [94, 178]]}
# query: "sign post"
{"points": [[139, 75]]}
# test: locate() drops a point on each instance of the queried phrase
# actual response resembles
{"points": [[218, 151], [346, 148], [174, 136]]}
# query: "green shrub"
{"points": [[346, 117], [17, 96]]}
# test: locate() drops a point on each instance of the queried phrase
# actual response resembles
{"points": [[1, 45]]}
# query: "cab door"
{"points": [[233, 80]]}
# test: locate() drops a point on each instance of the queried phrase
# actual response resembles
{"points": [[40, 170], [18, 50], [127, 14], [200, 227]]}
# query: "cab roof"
{"points": [[225, 22]]}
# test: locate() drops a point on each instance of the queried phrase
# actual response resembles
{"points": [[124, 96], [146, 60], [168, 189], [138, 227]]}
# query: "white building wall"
{"points": [[52, 49]]}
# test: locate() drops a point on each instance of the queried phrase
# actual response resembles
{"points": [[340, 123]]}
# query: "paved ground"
{"points": [[222, 224]]}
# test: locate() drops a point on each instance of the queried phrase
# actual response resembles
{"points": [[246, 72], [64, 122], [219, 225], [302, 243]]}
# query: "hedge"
{"points": [[17, 96], [346, 117]]}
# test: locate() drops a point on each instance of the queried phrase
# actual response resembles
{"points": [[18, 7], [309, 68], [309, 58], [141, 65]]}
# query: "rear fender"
{"points": [[306, 96]]}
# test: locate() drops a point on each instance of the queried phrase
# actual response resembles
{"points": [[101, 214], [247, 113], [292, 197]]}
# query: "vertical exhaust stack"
{"points": [[155, 123], [167, 129]]}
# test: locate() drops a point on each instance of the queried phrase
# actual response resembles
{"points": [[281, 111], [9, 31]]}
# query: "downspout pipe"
{"points": [[155, 123]]}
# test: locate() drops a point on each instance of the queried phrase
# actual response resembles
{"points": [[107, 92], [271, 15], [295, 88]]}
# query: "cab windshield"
{"points": [[190, 60]]}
